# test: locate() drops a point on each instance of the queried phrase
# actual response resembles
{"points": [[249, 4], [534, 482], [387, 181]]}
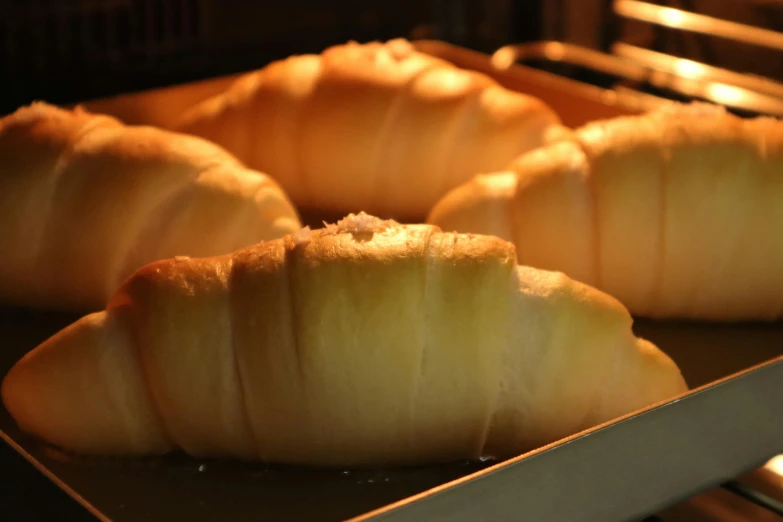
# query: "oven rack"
{"points": [[641, 77]]}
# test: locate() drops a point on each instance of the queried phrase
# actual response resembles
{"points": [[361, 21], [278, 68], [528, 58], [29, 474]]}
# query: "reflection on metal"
{"points": [[564, 53], [634, 67], [775, 465], [698, 23], [695, 70], [561, 52]]}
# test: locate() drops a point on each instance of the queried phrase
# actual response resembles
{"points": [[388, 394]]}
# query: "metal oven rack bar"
{"points": [[697, 23], [636, 66]]}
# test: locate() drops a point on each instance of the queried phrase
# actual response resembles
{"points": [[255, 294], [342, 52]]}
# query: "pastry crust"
{"points": [[376, 127], [363, 343], [677, 213], [86, 200]]}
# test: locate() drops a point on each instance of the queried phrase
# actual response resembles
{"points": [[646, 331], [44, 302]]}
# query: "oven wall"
{"points": [[65, 51]]}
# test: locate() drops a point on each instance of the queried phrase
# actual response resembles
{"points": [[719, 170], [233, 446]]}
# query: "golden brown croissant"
{"points": [[363, 343], [677, 213], [85, 201], [375, 127]]}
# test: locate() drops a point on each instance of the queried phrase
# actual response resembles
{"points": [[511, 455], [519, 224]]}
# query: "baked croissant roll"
{"points": [[677, 213], [86, 200], [376, 127], [363, 343]]}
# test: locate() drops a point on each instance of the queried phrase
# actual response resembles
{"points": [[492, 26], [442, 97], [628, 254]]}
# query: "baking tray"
{"points": [[635, 466], [731, 423]]}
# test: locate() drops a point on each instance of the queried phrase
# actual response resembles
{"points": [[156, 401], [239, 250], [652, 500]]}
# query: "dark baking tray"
{"points": [[628, 468], [179, 488], [721, 431]]}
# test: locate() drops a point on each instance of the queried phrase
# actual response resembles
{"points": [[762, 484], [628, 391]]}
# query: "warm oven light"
{"points": [[776, 465]]}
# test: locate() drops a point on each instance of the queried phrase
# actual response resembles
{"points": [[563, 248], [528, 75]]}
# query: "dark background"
{"points": [[65, 51], [28, 496], [71, 50]]}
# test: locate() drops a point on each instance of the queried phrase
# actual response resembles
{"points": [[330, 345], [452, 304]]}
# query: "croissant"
{"points": [[677, 213], [376, 127], [86, 200], [363, 343]]}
